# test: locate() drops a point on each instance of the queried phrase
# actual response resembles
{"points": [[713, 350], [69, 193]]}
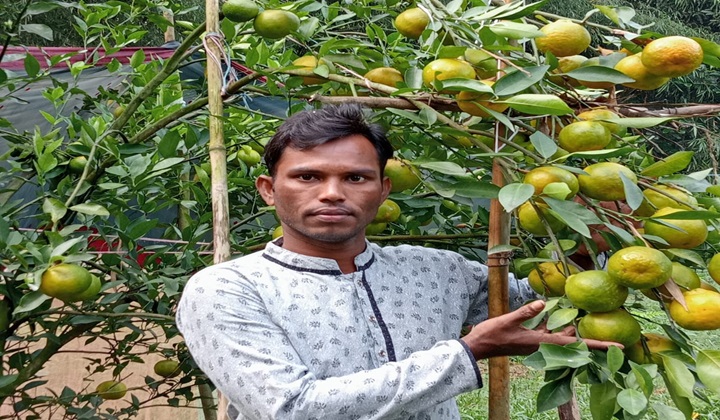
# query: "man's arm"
{"points": [[251, 360]]}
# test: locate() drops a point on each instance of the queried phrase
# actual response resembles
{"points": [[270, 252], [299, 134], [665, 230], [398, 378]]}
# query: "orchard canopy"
{"points": [[106, 188]]}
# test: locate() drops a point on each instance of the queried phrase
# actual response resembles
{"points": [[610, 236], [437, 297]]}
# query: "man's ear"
{"points": [[386, 186], [264, 185]]}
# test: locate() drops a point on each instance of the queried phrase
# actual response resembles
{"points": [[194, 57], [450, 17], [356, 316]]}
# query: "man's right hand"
{"points": [[506, 336]]}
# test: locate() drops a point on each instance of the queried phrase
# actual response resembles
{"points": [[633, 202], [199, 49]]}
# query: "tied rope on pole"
{"points": [[223, 62]]}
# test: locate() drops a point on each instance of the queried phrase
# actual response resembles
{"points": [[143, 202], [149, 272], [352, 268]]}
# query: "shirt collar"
{"points": [[299, 262]]}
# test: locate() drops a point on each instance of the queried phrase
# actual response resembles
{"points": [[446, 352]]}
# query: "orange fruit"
{"points": [[618, 326], [672, 56], [167, 368], [277, 232], [582, 136], [446, 68], [567, 64], [595, 291], [388, 212], [275, 24], [542, 176], [310, 62], [703, 310], [402, 175], [65, 281], [485, 64], [248, 155], [678, 233], [387, 76], [639, 267], [563, 38], [685, 277], [604, 116], [655, 344], [91, 292], [714, 268], [77, 164], [240, 10], [111, 390], [473, 102], [632, 66], [603, 181], [412, 22], [531, 222], [375, 228], [548, 279], [665, 196]]}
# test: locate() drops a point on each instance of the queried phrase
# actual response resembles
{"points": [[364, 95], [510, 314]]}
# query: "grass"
{"points": [[525, 382]]}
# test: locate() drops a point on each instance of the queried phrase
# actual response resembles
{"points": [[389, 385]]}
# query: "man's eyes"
{"points": [[307, 177], [351, 178], [356, 178]]}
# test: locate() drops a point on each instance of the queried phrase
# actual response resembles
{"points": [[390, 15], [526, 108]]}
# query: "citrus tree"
{"points": [[106, 206]]}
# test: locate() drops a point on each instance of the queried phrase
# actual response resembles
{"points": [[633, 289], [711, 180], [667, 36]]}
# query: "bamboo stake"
{"points": [[217, 151]]}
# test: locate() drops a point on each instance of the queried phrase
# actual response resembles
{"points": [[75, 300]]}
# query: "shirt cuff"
{"points": [[478, 376]]}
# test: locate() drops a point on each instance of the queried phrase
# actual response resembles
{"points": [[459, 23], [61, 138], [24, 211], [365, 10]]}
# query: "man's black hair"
{"points": [[307, 129]]}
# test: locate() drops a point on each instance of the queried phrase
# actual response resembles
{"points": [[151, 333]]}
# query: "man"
{"points": [[323, 324]]}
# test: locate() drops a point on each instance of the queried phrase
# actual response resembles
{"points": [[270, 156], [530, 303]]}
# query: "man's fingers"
{"points": [[530, 310]]}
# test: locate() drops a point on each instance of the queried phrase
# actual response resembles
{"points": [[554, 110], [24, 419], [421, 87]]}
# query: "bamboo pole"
{"points": [[217, 151]]}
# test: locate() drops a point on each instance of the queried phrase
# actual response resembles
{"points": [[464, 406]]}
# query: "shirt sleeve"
{"points": [[250, 359]]}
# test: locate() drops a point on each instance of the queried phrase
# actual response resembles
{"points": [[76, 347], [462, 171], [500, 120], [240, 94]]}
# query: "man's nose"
{"points": [[332, 190]]}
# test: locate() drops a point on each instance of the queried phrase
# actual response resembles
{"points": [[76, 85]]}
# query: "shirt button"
{"points": [[372, 318], [382, 353]]}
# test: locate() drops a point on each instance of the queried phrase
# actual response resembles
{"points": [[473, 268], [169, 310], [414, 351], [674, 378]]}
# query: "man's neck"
{"points": [[343, 253]]}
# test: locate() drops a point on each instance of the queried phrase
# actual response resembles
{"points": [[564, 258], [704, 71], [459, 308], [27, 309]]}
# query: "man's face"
{"points": [[327, 194]]}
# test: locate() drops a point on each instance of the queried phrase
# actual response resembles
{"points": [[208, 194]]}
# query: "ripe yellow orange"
{"points": [[603, 181], [412, 22], [548, 279], [402, 175], [595, 291], [567, 64], [582, 136], [111, 390], [703, 310], [618, 326], [309, 62], [604, 116], [167, 368], [240, 10], [639, 267], [389, 211], [65, 281], [563, 38], [678, 233], [275, 24], [387, 76], [531, 221], [446, 68], [632, 66], [714, 268], [540, 177], [661, 195], [672, 56], [474, 102], [655, 344]]}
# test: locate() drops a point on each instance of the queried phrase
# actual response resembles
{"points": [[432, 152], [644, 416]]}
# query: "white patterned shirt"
{"points": [[287, 336]]}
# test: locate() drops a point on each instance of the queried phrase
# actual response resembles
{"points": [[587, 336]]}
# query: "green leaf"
{"points": [[687, 254], [708, 369], [632, 401], [515, 30], [55, 208], [137, 58], [513, 195], [679, 376], [561, 318], [557, 190], [535, 360], [30, 301], [6, 380], [689, 215], [38, 29], [90, 208], [557, 357], [599, 74], [466, 84], [633, 193], [519, 80], [544, 144], [554, 394], [169, 143], [538, 104], [670, 165], [65, 246], [642, 378], [666, 412], [602, 400], [464, 187], [642, 122], [615, 359], [682, 403], [167, 163], [447, 168], [510, 11]]}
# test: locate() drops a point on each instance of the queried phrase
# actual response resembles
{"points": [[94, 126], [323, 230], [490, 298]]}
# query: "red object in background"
{"points": [[97, 244]]}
